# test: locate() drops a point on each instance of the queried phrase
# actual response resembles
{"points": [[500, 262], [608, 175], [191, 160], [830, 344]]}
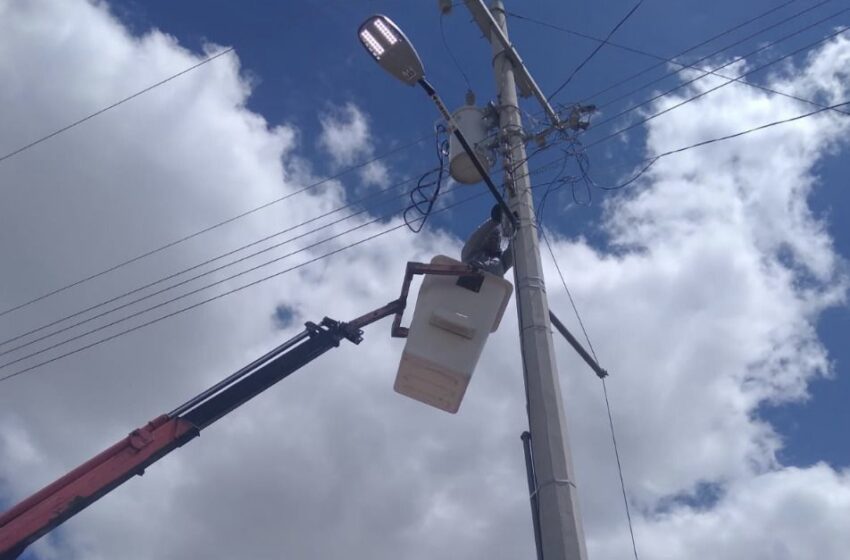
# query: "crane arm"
{"points": [[59, 501], [56, 503]]}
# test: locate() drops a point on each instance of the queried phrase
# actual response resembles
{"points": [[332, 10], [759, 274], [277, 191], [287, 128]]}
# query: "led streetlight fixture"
{"points": [[390, 48]]}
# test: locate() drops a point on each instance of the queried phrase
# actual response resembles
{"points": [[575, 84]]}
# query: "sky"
{"points": [[713, 287]]}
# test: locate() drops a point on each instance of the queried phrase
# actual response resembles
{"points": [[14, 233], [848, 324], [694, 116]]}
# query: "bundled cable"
{"points": [[427, 189]]}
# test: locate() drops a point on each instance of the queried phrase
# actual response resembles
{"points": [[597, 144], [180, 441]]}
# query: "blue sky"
{"points": [[714, 287]]}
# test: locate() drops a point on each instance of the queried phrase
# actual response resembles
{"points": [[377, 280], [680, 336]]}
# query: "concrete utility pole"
{"points": [[561, 534]]}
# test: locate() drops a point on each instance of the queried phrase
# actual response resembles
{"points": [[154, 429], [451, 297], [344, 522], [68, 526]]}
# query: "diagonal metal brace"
{"points": [[601, 373]]}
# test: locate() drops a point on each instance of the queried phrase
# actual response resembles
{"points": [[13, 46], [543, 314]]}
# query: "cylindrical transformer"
{"points": [[472, 124]]}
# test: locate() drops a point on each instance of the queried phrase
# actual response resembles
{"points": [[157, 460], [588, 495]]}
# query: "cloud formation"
{"points": [[703, 307], [347, 139]]}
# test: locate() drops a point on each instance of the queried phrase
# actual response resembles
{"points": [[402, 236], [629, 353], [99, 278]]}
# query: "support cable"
{"points": [[589, 57], [605, 392]]}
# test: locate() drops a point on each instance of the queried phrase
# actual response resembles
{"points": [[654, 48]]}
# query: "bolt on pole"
{"points": [[561, 533]]}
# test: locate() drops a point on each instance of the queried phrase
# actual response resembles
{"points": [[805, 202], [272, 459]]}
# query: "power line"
{"points": [[632, 179], [182, 296], [213, 227], [596, 50], [687, 50], [116, 104], [748, 131], [219, 296], [736, 43], [213, 298], [668, 60], [706, 92], [605, 392], [706, 42], [199, 265], [451, 54], [650, 161], [694, 146], [723, 33], [181, 283]]}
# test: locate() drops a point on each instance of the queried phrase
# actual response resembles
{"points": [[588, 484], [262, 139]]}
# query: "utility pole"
{"points": [[561, 533]]}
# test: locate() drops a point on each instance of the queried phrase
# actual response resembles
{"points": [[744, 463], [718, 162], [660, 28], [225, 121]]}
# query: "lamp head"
{"points": [[390, 48]]}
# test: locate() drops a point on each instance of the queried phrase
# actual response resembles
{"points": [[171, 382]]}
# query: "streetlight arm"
{"points": [[432, 93]]}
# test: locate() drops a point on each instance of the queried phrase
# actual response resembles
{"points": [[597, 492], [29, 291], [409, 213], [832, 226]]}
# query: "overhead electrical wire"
{"points": [[113, 105], [424, 194], [792, 17], [214, 226], [706, 92], [605, 393], [201, 264], [748, 131], [669, 61], [589, 57], [213, 298], [726, 32], [451, 54], [184, 295], [751, 20], [651, 159], [703, 43], [216, 297], [203, 274]]}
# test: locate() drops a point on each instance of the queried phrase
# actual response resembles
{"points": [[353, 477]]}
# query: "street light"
{"points": [[391, 49], [394, 52]]}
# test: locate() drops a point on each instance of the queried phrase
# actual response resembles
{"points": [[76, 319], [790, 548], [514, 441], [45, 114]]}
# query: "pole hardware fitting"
{"points": [[556, 481], [579, 117], [531, 282]]}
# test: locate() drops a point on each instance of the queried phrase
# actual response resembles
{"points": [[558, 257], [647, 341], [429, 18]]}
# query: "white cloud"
{"points": [[347, 139], [706, 308]]}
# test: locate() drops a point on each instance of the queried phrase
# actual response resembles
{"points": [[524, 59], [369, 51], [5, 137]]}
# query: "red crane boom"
{"points": [[56, 503]]}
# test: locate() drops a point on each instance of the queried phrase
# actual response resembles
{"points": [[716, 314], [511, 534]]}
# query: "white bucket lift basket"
{"points": [[450, 325]]}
